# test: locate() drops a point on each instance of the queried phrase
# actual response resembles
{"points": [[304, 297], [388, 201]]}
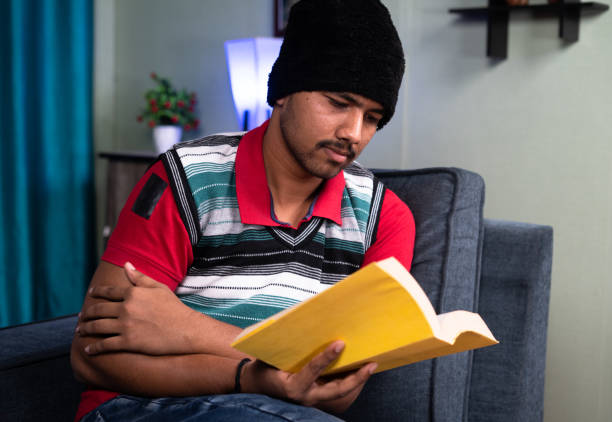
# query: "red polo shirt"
{"points": [[160, 248], [252, 191]]}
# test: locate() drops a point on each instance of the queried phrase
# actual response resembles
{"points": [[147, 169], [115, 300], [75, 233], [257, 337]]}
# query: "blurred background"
{"points": [[536, 126]]}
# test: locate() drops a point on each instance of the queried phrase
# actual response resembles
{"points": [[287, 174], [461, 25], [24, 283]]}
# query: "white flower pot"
{"points": [[165, 136]]}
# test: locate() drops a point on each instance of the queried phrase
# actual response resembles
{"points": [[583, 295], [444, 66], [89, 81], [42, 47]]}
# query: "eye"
{"points": [[373, 119], [337, 103]]}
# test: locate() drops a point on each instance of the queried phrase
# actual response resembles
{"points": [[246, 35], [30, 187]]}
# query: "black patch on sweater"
{"points": [[149, 196]]}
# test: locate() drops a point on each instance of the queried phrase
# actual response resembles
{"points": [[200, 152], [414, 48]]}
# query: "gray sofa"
{"points": [[500, 269]]}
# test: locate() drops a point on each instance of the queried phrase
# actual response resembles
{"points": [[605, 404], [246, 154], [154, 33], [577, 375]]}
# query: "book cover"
{"points": [[380, 312]]}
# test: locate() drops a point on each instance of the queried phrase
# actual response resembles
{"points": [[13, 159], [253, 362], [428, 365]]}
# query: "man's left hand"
{"points": [[146, 317]]}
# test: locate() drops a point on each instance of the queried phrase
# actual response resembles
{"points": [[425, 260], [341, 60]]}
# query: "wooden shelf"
{"points": [[147, 156], [498, 12]]}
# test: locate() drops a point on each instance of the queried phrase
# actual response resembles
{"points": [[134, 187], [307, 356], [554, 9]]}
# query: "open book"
{"points": [[382, 315]]}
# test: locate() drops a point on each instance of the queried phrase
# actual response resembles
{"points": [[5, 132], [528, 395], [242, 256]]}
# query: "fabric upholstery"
{"points": [[508, 380], [36, 381], [447, 206]]}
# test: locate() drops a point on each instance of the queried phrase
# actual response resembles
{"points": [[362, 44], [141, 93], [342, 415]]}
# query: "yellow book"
{"points": [[380, 312]]}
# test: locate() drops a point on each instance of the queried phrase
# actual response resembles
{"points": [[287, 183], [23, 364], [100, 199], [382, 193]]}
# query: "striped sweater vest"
{"points": [[244, 273]]}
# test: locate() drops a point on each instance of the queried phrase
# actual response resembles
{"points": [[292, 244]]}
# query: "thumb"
{"points": [[137, 278]]}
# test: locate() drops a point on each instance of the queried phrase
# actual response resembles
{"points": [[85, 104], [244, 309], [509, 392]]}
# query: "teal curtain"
{"points": [[46, 166]]}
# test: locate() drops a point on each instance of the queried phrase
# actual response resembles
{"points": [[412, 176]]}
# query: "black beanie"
{"points": [[340, 46]]}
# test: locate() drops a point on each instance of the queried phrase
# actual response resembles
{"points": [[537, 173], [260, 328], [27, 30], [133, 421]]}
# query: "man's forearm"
{"points": [[156, 376], [200, 374], [148, 343], [125, 310], [144, 341]]}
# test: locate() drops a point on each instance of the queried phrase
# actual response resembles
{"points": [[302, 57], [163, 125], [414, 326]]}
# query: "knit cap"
{"points": [[340, 46]]}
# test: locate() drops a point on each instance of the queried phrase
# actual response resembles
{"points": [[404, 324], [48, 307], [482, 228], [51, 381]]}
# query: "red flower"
{"points": [[151, 123], [153, 75], [191, 108], [152, 102], [180, 103], [174, 118], [196, 123], [167, 104], [154, 109], [187, 126], [192, 101], [139, 118]]}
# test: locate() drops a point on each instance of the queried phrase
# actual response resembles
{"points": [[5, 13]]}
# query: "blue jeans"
{"points": [[215, 408]]}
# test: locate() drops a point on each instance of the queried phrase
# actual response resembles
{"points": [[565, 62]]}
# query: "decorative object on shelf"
{"points": [[164, 136], [497, 14], [249, 62], [168, 112]]}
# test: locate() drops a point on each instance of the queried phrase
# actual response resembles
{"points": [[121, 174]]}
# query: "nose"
{"points": [[350, 128]]}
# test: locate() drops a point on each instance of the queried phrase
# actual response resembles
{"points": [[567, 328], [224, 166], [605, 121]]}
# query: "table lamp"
{"points": [[249, 62]]}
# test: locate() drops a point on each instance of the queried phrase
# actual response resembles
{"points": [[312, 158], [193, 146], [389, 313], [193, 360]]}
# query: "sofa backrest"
{"points": [[447, 205]]}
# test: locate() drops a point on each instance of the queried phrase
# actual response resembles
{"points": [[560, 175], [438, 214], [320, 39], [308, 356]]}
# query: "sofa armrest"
{"points": [[36, 381], [507, 381]]}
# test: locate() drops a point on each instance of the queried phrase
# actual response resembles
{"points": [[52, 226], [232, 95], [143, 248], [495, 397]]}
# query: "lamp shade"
{"points": [[249, 62]]}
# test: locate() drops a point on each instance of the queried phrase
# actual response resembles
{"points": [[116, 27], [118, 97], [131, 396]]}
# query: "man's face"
{"points": [[326, 131]]}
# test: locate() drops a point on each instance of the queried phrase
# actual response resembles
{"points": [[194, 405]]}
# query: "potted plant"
{"points": [[168, 112]]}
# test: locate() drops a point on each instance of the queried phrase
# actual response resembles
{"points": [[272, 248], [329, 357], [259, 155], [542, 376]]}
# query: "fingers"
{"points": [[107, 326], [309, 374], [307, 387], [113, 293], [99, 327], [342, 387], [110, 344], [101, 310], [117, 293], [137, 278], [99, 319]]}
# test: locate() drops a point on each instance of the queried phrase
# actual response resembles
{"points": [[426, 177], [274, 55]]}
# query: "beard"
{"points": [[314, 161]]}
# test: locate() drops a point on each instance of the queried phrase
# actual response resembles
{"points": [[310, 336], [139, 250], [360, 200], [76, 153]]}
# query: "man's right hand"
{"points": [[145, 316], [175, 357], [306, 387]]}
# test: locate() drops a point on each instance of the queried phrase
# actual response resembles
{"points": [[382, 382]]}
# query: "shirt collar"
{"points": [[252, 191]]}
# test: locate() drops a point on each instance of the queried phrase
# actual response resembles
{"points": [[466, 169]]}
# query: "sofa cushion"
{"points": [[447, 206]]}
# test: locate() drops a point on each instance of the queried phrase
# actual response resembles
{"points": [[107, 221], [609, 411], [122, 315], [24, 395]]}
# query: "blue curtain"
{"points": [[46, 166]]}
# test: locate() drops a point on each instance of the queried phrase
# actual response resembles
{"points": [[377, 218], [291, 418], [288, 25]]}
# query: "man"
{"points": [[243, 226]]}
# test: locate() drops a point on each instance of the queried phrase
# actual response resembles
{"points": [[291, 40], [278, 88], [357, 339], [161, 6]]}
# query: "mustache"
{"points": [[340, 147]]}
